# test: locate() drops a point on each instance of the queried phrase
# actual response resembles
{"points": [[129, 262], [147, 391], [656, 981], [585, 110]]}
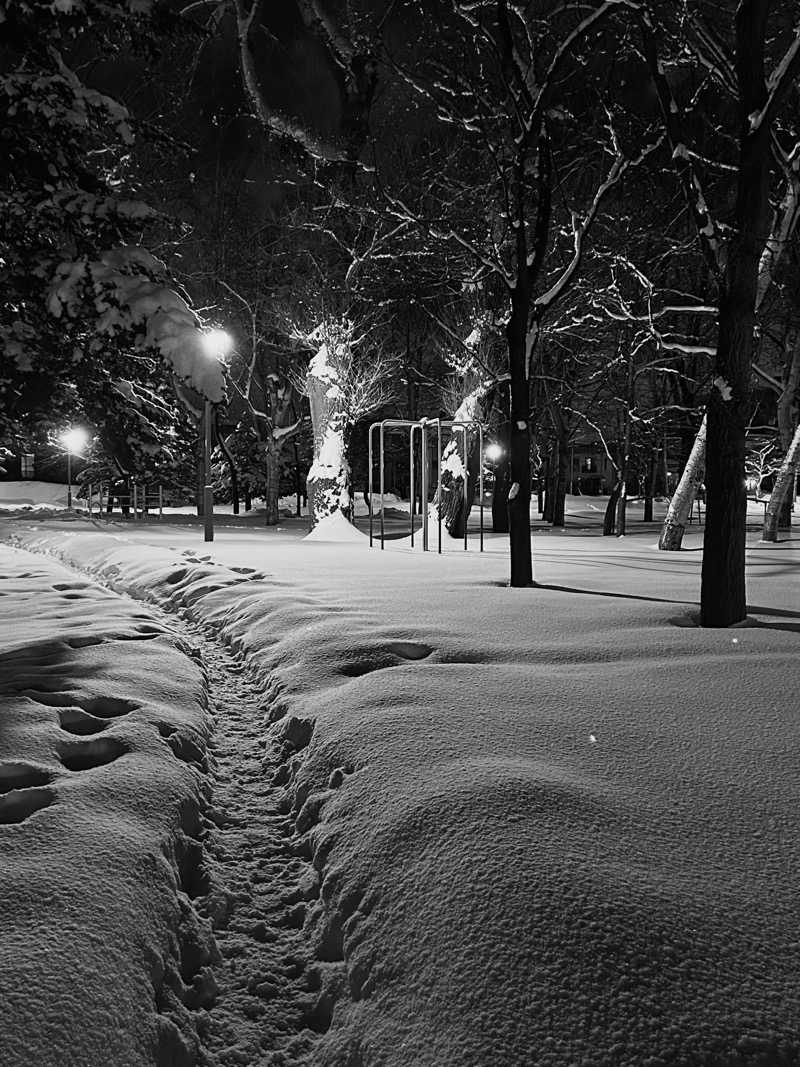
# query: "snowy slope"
{"points": [[99, 803], [552, 826]]}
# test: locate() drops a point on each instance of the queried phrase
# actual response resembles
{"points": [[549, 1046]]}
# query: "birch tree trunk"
{"points": [[459, 462], [328, 481], [783, 484], [680, 507], [786, 428]]}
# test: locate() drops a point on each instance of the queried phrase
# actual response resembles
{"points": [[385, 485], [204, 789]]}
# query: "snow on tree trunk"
{"points": [[456, 465], [784, 485], [328, 480], [680, 507], [786, 428]]}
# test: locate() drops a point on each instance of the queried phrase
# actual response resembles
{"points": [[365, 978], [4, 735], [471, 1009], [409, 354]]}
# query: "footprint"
{"points": [[409, 649], [77, 721], [21, 776], [84, 755], [20, 804]]}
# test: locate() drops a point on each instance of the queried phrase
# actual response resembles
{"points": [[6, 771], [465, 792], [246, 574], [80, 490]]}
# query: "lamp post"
{"points": [[74, 441], [216, 344]]}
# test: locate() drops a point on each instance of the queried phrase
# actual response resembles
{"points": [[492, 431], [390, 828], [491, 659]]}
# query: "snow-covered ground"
{"points": [[556, 825]]}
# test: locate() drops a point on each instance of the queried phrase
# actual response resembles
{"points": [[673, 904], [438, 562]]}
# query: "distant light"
{"points": [[74, 440], [494, 452], [216, 343]]}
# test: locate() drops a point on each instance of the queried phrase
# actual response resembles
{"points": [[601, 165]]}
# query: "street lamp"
{"points": [[494, 452], [74, 441], [216, 344]]}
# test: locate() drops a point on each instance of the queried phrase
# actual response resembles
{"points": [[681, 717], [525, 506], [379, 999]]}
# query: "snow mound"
{"points": [[100, 799], [33, 492], [552, 826], [335, 527]]}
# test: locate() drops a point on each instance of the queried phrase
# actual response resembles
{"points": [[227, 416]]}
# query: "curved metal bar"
{"points": [[369, 481]]}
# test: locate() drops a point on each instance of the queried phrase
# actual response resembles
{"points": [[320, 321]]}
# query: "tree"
{"points": [[91, 323], [742, 262], [516, 139], [342, 385]]}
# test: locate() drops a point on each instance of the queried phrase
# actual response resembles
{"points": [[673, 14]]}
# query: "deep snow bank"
{"points": [[551, 826], [100, 794]]}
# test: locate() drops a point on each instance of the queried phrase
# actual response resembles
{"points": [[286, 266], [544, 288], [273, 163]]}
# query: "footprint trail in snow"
{"points": [[264, 992]]}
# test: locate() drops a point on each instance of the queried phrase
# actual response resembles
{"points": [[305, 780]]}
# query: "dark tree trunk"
{"points": [[272, 487], [248, 497], [200, 471], [722, 593], [610, 517], [500, 497], [223, 444], [649, 486], [560, 483], [519, 496]]}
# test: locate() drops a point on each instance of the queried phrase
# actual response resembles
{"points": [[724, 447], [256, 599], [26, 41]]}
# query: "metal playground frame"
{"points": [[424, 425]]}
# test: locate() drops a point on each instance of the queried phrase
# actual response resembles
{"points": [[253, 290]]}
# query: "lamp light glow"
{"points": [[494, 452], [216, 343], [74, 440]]}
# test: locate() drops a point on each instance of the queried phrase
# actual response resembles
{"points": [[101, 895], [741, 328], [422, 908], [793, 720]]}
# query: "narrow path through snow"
{"points": [[263, 993]]}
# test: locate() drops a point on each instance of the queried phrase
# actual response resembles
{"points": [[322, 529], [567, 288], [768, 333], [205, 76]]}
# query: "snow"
{"points": [[95, 805], [335, 527], [553, 825], [126, 297]]}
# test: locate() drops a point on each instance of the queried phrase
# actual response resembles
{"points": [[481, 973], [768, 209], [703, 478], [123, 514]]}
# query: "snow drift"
{"points": [[556, 825]]}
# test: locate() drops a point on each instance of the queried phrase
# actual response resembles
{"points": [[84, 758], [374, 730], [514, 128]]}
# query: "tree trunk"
{"points": [[223, 444], [786, 428], [328, 481], [272, 481], [783, 489], [200, 471], [680, 507], [519, 495], [649, 486], [622, 509], [248, 498], [722, 592], [610, 516], [560, 482], [449, 496]]}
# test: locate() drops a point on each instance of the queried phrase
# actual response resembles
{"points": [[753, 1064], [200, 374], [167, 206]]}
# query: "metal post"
{"points": [[424, 491], [91, 487], [369, 482], [135, 501], [480, 475], [466, 485], [208, 492], [381, 463], [439, 478], [160, 501], [411, 481], [69, 480]]}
